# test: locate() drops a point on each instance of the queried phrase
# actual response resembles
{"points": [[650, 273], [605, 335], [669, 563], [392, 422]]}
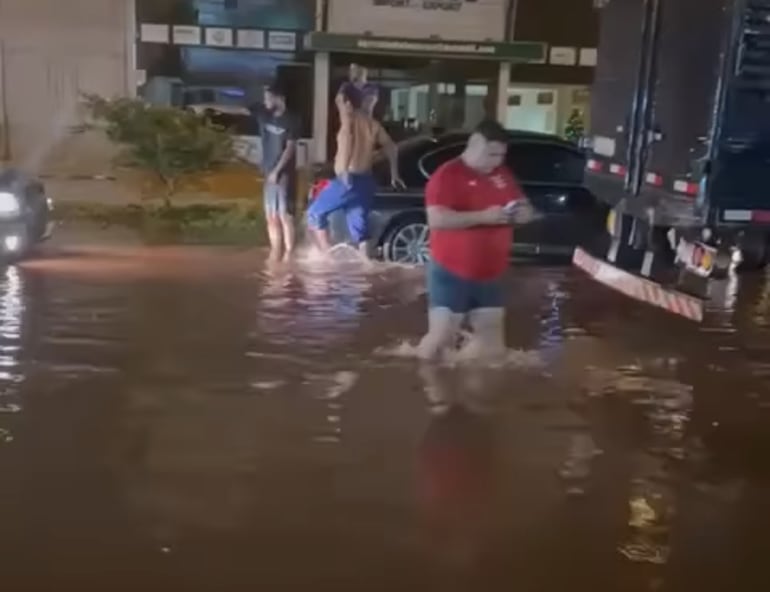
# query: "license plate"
{"points": [[696, 257]]}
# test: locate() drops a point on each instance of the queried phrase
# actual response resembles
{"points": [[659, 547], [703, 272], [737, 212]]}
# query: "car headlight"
{"points": [[9, 204]]}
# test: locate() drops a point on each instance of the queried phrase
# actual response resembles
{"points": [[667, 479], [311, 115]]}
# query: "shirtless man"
{"points": [[354, 186], [472, 201]]}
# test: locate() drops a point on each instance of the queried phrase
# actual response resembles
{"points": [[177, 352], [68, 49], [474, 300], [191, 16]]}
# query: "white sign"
{"points": [[459, 20], [251, 38], [588, 56], [149, 33], [219, 37], [563, 56], [186, 35], [282, 40]]}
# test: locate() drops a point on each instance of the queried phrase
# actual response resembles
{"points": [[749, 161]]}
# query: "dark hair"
{"points": [[275, 89], [492, 131]]}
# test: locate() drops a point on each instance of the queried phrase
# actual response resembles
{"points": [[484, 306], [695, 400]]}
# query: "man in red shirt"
{"points": [[472, 201]]}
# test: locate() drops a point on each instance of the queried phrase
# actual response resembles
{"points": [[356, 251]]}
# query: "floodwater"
{"points": [[184, 419]]}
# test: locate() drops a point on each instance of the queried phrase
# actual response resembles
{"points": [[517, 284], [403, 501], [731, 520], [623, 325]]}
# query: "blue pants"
{"points": [[356, 200], [461, 296]]}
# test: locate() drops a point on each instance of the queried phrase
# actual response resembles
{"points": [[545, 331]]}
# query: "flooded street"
{"points": [[182, 419]]}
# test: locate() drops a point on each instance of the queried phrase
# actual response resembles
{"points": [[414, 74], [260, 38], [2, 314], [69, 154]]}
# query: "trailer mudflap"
{"points": [[639, 288]]}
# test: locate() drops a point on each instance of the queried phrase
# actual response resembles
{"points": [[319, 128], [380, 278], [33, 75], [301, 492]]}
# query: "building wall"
{"points": [[51, 51], [478, 20]]}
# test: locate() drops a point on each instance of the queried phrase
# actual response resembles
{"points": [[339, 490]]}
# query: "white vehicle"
{"points": [[238, 120]]}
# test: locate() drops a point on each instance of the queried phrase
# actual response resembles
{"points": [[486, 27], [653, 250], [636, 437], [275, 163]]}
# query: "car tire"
{"points": [[406, 242]]}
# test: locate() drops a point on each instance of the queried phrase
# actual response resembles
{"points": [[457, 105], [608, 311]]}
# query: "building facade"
{"points": [[445, 64], [51, 52], [440, 63]]}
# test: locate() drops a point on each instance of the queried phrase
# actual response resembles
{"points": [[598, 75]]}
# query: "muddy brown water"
{"points": [[182, 419]]}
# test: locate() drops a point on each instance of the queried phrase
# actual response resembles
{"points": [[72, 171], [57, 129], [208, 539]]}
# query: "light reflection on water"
{"points": [[11, 326]]}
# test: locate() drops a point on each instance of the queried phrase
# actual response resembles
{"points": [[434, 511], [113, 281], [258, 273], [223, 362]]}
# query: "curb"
{"points": [[78, 177], [639, 288]]}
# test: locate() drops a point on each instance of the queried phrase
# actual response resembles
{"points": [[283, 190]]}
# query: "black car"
{"points": [[25, 214], [549, 169]]}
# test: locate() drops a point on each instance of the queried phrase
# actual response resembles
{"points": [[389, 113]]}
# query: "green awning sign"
{"points": [[520, 51]]}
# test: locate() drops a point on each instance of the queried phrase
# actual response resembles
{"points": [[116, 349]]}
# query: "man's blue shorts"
{"points": [[356, 199], [461, 296]]}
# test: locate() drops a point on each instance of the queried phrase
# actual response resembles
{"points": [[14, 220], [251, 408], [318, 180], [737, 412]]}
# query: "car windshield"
{"points": [[240, 125]]}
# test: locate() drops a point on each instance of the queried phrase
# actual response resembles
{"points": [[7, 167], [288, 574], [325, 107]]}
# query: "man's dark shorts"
{"points": [[461, 296]]}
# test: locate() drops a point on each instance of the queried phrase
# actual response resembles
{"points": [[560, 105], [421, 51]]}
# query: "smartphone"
{"points": [[511, 206]]}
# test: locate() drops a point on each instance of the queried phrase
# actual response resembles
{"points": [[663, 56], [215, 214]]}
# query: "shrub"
{"points": [[168, 143]]}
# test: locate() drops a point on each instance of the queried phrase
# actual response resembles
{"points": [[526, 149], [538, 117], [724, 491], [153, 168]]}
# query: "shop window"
{"points": [[228, 75]]}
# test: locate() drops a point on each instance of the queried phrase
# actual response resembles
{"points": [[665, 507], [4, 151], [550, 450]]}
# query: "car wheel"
{"points": [[407, 243]]}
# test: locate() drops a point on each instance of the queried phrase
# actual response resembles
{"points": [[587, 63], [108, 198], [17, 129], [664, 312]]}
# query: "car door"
{"points": [[551, 175]]}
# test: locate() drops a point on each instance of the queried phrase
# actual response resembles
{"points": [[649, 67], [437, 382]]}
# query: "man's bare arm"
{"points": [[444, 218], [391, 151]]}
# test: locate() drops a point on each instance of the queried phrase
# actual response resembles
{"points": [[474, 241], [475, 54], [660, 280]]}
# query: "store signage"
{"points": [[150, 33], [424, 4], [186, 35], [282, 40], [588, 56], [444, 19], [219, 37], [563, 56], [523, 52], [251, 39]]}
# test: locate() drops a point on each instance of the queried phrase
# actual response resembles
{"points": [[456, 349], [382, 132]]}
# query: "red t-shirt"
{"points": [[479, 253]]}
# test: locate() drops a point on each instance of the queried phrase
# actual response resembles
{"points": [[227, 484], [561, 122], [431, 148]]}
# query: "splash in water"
{"points": [[467, 353]]}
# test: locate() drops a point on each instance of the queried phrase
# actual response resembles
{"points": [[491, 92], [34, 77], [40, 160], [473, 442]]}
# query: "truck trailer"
{"points": [[679, 147]]}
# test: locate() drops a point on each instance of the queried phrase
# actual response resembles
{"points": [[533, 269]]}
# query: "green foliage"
{"points": [[575, 126], [170, 144], [231, 224]]}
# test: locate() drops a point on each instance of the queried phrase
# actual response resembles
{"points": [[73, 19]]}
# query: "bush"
{"points": [[231, 223], [168, 143]]}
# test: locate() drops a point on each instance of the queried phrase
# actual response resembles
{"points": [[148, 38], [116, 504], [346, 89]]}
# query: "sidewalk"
{"points": [[112, 192], [109, 192]]}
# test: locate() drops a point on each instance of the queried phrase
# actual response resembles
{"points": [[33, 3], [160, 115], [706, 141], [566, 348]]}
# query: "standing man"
{"points": [[354, 186], [279, 134], [471, 203]]}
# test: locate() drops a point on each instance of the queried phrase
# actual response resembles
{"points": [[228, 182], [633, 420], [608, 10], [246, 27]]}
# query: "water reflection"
{"points": [[310, 304], [459, 469], [11, 328]]}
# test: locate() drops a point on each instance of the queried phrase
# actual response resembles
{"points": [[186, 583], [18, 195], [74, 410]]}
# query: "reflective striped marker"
{"points": [[686, 187], [639, 288]]}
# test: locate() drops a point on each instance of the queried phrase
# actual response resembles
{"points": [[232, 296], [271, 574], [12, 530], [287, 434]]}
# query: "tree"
{"points": [[575, 127], [169, 143]]}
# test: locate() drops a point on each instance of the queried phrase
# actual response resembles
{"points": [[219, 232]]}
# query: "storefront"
{"points": [[208, 54], [450, 65]]}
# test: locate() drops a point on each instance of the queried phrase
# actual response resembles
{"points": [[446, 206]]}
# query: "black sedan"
{"points": [[25, 210], [549, 169]]}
